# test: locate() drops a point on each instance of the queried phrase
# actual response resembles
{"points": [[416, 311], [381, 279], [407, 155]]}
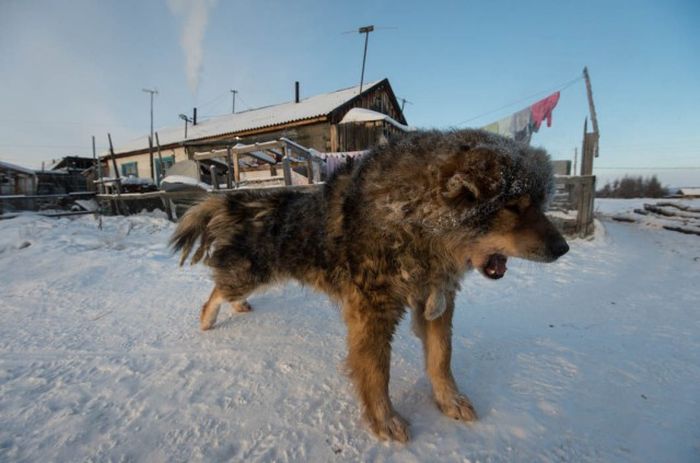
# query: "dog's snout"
{"points": [[558, 248]]}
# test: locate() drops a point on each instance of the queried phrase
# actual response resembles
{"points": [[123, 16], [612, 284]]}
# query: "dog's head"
{"points": [[497, 191]]}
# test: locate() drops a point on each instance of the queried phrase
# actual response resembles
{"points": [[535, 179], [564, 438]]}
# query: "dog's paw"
{"points": [[205, 325], [458, 407], [241, 307], [394, 428]]}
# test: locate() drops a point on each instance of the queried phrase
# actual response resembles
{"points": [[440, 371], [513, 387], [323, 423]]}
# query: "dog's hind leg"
{"points": [[437, 346], [370, 330], [210, 309]]}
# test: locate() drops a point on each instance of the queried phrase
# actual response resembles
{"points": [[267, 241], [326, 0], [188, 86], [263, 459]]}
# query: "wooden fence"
{"points": [[572, 207], [16, 203], [175, 203]]}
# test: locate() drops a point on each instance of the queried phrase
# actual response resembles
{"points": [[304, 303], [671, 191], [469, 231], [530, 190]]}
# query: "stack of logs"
{"points": [[687, 217]]}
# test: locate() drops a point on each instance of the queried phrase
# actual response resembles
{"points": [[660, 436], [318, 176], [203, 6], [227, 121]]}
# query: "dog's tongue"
{"points": [[496, 266]]}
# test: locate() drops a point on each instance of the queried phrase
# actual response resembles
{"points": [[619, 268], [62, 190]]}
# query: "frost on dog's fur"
{"points": [[397, 229]]}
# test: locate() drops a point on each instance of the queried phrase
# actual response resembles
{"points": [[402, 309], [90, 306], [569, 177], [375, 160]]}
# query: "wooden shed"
{"points": [[17, 180]]}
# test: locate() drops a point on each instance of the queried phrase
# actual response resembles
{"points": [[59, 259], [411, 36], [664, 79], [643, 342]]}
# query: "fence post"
{"points": [[286, 167]]}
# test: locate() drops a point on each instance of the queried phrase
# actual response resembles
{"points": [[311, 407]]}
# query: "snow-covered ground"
{"points": [[593, 358]]}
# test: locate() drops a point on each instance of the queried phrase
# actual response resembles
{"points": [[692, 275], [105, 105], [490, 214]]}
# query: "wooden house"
{"points": [[343, 120], [17, 180]]}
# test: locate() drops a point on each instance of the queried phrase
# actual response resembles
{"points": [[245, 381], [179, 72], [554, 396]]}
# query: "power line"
{"points": [[9, 145], [213, 100], [244, 102], [81, 124], [560, 87]]}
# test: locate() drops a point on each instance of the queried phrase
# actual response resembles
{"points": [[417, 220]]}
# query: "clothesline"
{"points": [[560, 87], [522, 124]]}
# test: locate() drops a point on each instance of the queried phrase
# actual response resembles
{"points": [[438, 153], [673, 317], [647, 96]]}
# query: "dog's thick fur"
{"points": [[398, 229]]}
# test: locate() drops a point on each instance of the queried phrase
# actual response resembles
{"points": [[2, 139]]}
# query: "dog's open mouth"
{"points": [[495, 266]]}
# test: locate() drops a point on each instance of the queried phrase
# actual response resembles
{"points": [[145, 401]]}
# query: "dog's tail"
{"points": [[193, 227]]}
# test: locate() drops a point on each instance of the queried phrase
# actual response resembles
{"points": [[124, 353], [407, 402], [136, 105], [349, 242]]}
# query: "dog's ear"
{"points": [[473, 176], [459, 185]]}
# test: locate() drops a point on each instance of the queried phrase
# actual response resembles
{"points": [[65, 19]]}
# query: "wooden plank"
{"points": [[229, 170], [193, 194], [594, 117], [286, 168], [214, 178], [310, 171], [682, 207], [160, 160], [334, 138], [150, 159], [686, 231], [118, 186], [236, 167], [589, 143], [114, 161], [572, 180], [659, 209]]}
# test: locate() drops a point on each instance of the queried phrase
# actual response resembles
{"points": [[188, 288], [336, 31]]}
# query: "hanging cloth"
{"points": [[516, 126], [543, 110]]}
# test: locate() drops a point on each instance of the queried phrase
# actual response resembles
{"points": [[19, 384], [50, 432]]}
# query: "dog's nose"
{"points": [[559, 248]]}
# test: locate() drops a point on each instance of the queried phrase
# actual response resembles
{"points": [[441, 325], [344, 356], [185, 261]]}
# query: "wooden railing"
{"points": [[574, 194]]}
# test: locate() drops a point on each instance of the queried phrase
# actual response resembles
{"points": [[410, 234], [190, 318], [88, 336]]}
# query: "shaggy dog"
{"points": [[398, 229]]}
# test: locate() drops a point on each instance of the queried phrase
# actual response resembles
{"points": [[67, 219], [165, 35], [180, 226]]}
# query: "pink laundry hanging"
{"points": [[543, 110]]}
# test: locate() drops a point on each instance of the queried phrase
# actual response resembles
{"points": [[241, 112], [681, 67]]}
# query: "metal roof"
{"points": [[268, 116]]}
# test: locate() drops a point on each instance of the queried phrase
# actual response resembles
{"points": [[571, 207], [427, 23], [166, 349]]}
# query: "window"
{"points": [[130, 168], [160, 168]]}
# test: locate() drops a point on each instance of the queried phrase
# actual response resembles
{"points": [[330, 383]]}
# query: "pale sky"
{"points": [[69, 70]]}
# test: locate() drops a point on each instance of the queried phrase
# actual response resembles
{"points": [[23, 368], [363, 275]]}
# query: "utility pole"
{"points": [[233, 106], [591, 107], [403, 103], [150, 147], [364, 30], [152, 92], [186, 119]]}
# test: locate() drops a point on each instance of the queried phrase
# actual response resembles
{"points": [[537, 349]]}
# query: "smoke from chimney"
{"points": [[194, 15]]}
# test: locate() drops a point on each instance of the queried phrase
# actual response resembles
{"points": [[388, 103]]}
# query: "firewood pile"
{"points": [[669, 216]]}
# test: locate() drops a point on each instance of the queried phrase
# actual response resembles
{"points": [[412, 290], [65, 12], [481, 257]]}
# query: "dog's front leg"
{"points": [[370, 330], [436, 335]]}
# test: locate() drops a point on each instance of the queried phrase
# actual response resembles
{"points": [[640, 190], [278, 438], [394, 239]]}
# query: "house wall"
{"points": [[379, 100], [316, 135], [322, 135], [143, 161], [358, 136], [17, 184]]}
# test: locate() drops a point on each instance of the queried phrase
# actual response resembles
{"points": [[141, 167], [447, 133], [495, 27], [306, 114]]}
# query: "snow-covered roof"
{"points": [[15, 167], [308, 108], [693, 191], [367, 115]]}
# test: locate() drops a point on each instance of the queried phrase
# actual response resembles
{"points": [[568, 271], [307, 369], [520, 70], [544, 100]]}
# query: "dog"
{"points": [[396, 230]]}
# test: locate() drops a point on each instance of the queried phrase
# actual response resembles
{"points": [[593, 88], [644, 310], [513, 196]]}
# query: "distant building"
{"points": [[692, 192], [344, 120], [17, 180], [63, 175]]}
